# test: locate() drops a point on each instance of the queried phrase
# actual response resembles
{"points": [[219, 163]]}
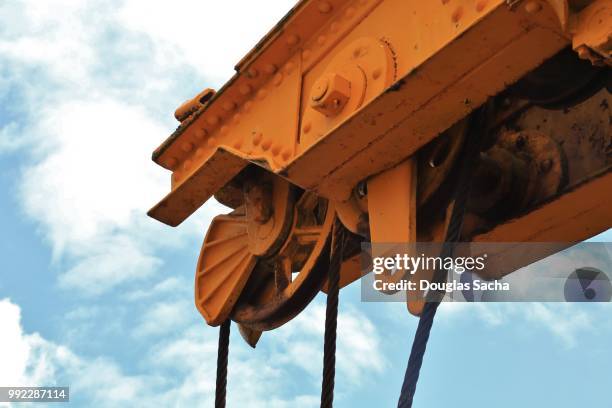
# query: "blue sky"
{"points": [[95, 295]]}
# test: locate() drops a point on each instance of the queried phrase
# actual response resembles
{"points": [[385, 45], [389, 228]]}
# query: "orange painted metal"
{"points": [[224, 267], [415, 68], [592, 29], [392, 204], [341, 95], [571, 218]]}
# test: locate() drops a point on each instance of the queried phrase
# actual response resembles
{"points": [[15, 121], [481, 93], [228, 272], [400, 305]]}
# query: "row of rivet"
{"points": [[334, 26], [532, 6], [458, 12], [246, 89]]}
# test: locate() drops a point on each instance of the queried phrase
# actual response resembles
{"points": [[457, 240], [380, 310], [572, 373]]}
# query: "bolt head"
{"points": [[533, 7], [320, 89], [330, 94]]}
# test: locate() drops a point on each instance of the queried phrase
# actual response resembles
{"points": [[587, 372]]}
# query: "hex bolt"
{"points": [[330, 94], [320, 89]]}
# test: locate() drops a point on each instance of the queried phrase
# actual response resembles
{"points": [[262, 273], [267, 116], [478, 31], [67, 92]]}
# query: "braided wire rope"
{"points": [[476, 133], [331, 316], [222, 354]]}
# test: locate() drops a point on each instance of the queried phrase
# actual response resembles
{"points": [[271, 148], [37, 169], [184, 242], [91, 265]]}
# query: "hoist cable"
{"points": [[475, 136], [331, 316], [222, 354]]}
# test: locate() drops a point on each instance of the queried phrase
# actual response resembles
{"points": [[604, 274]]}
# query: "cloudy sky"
{"points": [[95, 295]]}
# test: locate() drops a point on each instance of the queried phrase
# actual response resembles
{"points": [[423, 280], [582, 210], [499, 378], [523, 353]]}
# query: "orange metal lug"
{"points": [[190, 106], [392, 204], [392, 211]]}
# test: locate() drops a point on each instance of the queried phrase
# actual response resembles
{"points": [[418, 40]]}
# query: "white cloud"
{"points": [[50, 33], [562, 320], [26, 359], [212, 38], [8, 142], [172, 285], [94, 85], [179, 369], [260, 378], [565, 321], [164, 317], [358, 343]]}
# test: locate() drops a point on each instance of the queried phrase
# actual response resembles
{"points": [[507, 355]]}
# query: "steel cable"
{"points": [[222, 354], [331, 316], [476, 132]]}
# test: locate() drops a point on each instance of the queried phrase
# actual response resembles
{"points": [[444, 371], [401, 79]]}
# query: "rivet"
{"points": [[212, 120], [457, 14], [199, 152], [171, 162], [266, 144], [350, 12], [247, 106], [187, 147], [324, 7], [289, 67], [321, 40], [200, 133], [286, 154], [261, 94], [292, 39], [278, 78], [252, 72], [257, 136], [224, 129], [306, 54], [238, 144], [276, 150], [376, 73], [533, 7], [246, 89], [186, 164], [269, 69], [236, 118], [229, 105], [481, 5], [333, 27], [307, 127], [211, 142]]}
